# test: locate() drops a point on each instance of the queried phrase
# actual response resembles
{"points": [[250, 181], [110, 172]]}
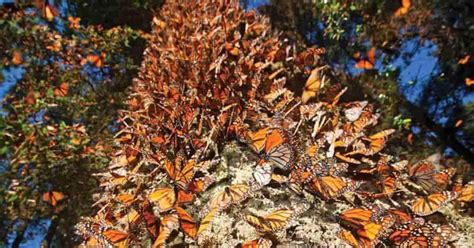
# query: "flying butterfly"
{"points": [[404, 8], [368, 63], [48, 10], [53, 197], [271, 222]]}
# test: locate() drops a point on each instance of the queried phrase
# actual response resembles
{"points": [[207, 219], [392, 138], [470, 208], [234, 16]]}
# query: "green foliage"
{"points": [[59, 118]]}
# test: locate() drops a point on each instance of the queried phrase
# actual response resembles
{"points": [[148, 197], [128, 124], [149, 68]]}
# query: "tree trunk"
{"points": [[51, 232], [20, 235]]}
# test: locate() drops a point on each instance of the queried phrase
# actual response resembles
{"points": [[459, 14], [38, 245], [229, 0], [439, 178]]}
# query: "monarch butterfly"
{"points": [[233, 194], [274, 221], [62, 90], [169, 223], [207, 220], [151, 222], [277, 149], [312, 85], [424, 174], [114, 236], [424, 206], [74, 22], [91, 237], [366, 118], [357, 217], [299, 175], [347, 159], [370, 225], [419, 234], [263, 174], [257, 139], [399, 216], [388, 185], [403, 9], [328, 167], [181, 172], [330, 187], [187, 223], [469, 81], [308, 111], [350, 239], [353, 110], [96, 236], [125, 198], [49, 11], [464, 59], [200, 184], [17, 58], [378, 140], [257, 243], [53, 197], [97, 60], [167, 198], [377, 143], [404, 232], [466, 193], [367, 64]]}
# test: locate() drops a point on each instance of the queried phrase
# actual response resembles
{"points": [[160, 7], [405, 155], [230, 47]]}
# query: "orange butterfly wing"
{"points": [[53, 197], [364, 64], [424, 206], [184, 197], [257, 243], [356, 217], [230, 195], [151, 222], [181, 172], [331, 187], [257, 139], [165, 198], [115, 236], [187, 223], [467, 193]]}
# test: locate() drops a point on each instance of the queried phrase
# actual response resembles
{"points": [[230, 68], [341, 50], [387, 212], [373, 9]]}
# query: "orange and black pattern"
{"points": [[215, 75]]}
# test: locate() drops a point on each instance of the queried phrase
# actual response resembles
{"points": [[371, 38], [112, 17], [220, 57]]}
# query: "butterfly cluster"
{"points": [[213, 75]]}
